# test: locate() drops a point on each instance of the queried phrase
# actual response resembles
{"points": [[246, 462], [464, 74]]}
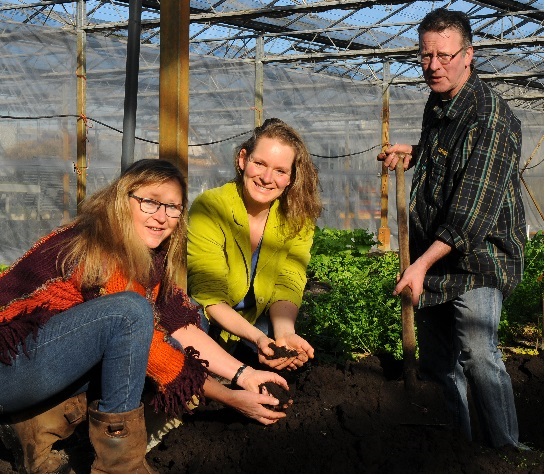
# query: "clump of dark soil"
{"points": [[348, 418], [280, 352], [279, 393]]}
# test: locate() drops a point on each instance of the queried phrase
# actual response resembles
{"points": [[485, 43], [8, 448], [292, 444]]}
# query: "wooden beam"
{"points": [[384, 230], [174, 92], [81, 104]]}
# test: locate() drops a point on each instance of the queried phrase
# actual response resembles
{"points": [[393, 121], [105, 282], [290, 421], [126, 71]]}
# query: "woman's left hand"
{"points": [[251, 379], [283, 316], [292, 341]]}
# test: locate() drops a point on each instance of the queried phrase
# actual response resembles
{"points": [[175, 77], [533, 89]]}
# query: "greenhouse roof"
{"points": [[352, 39], [325, 68]]}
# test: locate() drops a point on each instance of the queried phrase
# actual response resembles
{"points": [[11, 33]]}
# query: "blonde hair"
{"points": [[300, 203], [107, 240]]}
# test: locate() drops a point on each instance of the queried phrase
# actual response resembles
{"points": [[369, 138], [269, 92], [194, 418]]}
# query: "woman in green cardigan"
{"points": [[249, 245]]}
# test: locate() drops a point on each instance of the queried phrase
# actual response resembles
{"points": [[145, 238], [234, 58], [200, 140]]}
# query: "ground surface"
{"points": [[351, 418]]}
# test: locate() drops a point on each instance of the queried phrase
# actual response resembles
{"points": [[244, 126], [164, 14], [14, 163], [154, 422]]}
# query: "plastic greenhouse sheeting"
{"points": [[340, 121]]}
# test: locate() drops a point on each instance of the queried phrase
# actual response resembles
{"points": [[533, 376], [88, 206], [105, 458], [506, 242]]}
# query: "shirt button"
{"points": [[260, 300]]}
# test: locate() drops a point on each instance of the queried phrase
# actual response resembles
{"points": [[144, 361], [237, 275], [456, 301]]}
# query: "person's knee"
{"points": [[480, 360], [136, 309]]}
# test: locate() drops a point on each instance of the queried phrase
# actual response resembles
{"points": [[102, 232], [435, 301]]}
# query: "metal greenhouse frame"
{"points": [[88, 86]]}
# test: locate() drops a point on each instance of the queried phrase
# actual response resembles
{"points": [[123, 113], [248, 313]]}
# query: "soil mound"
{"points": [[343, 420]]}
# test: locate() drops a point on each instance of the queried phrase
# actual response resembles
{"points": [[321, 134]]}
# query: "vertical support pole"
{"points": [[523, 181], [258, 88], [65, 176], [65, 157], [174, 93], [384, 230], [131, 84], [347, 178], [81, 101]]}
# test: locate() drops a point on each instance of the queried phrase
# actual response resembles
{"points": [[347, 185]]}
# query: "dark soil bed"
{"points": [[351, 418]]}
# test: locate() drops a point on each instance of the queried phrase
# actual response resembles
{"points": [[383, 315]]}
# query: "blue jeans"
{"points": [[458, 344], [111, 333]]}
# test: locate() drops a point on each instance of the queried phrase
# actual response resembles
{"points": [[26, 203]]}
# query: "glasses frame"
{"points": [[159, 204], [443, 58]]}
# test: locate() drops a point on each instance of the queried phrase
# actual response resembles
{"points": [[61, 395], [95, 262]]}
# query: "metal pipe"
{"points": [[131, 84]]}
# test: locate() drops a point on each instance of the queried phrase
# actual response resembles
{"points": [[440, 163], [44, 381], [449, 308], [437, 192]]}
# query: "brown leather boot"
{"points": [[119, 440], [32, 433]]}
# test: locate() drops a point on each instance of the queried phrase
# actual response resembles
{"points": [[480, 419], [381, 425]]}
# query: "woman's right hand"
{"points": [[251, 404]]}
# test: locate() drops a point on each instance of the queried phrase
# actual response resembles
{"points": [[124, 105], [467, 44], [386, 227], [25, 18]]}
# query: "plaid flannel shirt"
{"points": [[466, 192]]}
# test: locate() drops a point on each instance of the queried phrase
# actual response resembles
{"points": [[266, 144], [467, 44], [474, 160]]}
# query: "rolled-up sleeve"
{"points": [[481, 187]]}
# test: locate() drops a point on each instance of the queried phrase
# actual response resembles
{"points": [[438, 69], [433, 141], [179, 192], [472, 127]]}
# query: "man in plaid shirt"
{"points": [[466, 228]]}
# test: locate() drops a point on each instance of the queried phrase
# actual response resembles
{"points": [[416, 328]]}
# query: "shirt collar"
{"points": [[459, 103]]}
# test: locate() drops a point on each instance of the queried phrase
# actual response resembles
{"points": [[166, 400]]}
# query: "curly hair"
{"points": [[300, 203], [107, 239]]}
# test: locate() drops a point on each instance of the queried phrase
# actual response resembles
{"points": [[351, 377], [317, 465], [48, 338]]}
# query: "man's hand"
{"points": [[413, 277], [391, 155]]}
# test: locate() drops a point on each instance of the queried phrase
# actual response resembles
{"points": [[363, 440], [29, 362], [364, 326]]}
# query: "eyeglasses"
{"points": [[149, 206], [443, 58]]}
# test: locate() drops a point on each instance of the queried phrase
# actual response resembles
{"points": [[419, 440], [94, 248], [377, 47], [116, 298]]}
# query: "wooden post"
{"points": [[258, 87], [384, 230], [174, 92], [66, 156], [81, 101], [347, 177], [523, 181]]}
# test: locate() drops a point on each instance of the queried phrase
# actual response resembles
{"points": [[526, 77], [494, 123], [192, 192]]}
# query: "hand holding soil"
{"points": [[279, 393], [280, 352], [289, 352]]}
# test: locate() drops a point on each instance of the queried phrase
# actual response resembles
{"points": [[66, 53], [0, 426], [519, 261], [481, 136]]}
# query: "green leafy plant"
{"points": [[348, 308], [522, 312], [328, 240], [357, 314]]}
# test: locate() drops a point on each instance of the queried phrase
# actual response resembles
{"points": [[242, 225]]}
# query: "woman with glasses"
{"points": [[249, 245], [92, 311]]}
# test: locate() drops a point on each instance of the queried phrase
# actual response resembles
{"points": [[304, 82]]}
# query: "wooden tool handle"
{"points": [[407, 310]]}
